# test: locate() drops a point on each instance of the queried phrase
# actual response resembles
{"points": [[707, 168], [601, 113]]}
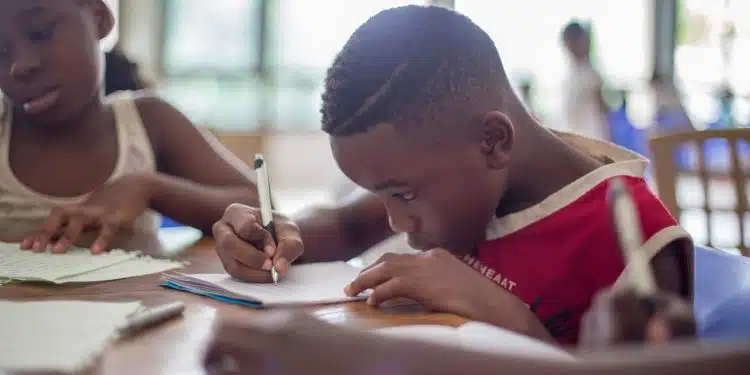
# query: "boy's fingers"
{"points": [[369, 279], [254, 234], [288, 251], [243, 220], [391, 259], [241, 272], [229, 245], [391, 289]]}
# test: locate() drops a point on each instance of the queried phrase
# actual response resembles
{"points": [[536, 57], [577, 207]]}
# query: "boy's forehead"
{"points": [[377, 141], [381, 153]]}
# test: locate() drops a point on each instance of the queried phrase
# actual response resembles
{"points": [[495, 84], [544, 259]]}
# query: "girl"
{"points": [[74, 164]]}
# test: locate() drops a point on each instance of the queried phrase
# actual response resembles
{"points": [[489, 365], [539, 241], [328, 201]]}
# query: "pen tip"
{"points": [[258, 161]]}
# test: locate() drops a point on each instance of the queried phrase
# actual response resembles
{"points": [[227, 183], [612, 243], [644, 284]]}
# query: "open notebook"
{"points": [[307, 284], [480, 337], [77, 265]]}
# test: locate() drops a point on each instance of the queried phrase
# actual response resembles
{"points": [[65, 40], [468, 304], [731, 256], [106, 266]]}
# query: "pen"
{"points": [[630, 236], [266, 212], [151, 317]]}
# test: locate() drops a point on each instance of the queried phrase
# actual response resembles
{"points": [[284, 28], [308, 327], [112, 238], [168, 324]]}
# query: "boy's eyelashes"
{"points": [[406, 196]]}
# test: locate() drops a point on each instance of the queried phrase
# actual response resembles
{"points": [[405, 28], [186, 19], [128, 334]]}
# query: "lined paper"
{"points": [[76, 265], [18, 264]]}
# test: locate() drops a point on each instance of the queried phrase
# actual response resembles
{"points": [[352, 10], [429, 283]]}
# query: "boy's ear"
{"points": [[497, 139], [103, 18]]}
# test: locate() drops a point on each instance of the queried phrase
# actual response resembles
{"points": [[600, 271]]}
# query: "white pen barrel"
{"points": [[264, 190]]}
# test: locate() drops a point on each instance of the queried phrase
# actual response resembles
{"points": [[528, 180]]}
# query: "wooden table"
{"points": [[176, 347]]}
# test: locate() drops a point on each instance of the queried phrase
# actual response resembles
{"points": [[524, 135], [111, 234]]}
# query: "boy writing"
{"points": [[72, 163], [513, 218]]}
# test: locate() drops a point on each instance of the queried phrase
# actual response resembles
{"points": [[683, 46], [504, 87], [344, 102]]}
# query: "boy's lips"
{"points": [[42, 102]]}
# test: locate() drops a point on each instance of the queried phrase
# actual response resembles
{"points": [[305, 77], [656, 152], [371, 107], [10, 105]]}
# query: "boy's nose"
{"points": [[401, 222]]}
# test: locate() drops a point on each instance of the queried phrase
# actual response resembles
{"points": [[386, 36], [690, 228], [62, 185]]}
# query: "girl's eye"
{"points": [[43, 33]]}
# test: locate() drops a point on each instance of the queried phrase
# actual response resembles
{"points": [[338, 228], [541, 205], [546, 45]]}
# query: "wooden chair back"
{"points": [[667, 170]]}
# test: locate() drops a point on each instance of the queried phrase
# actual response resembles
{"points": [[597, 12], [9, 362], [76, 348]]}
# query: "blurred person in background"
{"points": [[669, 113], [121, 73], [584, 108]]}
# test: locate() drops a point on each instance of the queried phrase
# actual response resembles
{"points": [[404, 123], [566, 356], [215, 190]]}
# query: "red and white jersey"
{"points": [[556, 255]]}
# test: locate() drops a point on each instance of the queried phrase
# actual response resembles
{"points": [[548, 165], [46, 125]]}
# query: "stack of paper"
{"points": [[308, 284], [59, 336], [481, 337], [77, 265]]}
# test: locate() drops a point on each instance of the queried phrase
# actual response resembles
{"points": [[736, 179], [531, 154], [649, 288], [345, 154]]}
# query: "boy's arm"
{"points": [[198, 178], [345, 230], [323, 234]]}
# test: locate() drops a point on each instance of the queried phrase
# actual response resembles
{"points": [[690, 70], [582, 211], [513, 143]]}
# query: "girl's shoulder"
{"points": [[144, 109]]}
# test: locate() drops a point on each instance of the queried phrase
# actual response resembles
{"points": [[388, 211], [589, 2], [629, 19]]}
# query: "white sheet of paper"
{"points": [[62, 336], [76, 266], [480, 337], [130, 268], [26, 265], [307, 284]]}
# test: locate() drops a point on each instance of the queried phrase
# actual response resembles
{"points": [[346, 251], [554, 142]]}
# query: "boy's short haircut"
{"points": [[412, 65]]}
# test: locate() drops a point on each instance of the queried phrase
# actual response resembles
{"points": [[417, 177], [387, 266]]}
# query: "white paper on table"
{"points": [[306, 284], [22, 265], [139, 266], [77, 265], [64, 336]]}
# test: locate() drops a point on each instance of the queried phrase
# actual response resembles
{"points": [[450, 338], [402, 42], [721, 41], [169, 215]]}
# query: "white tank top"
{"points": [[23, 210]]}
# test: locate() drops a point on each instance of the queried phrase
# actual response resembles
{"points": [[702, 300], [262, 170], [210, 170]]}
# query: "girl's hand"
{"points": [[107, 210]]}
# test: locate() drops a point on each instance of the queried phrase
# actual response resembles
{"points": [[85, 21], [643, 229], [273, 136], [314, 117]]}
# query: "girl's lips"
{"points": [[41, 103]]}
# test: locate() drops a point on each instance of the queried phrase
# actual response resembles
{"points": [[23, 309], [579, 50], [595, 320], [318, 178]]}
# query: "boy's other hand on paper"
{"points": [[247, 251], [624, 317], [436, 279], [107, 210]]}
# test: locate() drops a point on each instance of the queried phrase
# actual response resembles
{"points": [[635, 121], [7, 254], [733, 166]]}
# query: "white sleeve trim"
{"points": [[653, 246]]}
